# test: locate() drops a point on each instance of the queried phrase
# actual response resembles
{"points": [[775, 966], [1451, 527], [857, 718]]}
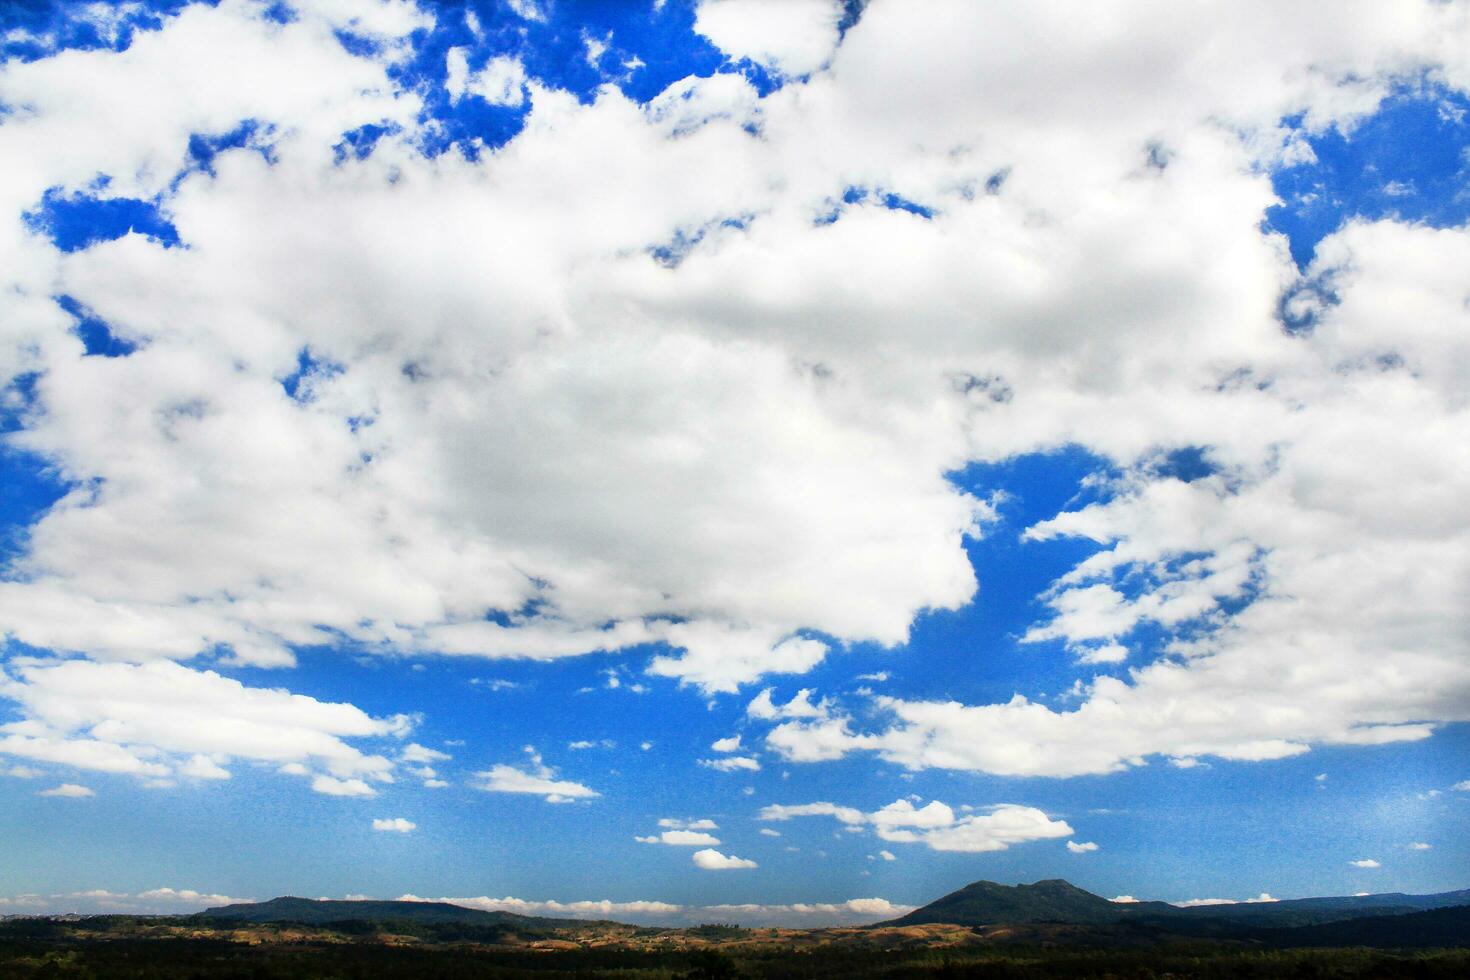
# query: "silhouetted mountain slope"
{"points": [[307, 911], [988, 903], [1442, 927]]}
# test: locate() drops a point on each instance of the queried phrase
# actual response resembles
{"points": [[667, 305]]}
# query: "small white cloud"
{"points": [[396, 825], [726, 744], [1321, 777], [681, 838], [1420, 846], [203, 767], [331, 786], [1184, 762], [416, 753], [70, 791], [768, 832], [877, 677], [731, 763], [1463, 786], [712, 860], [1124, 900], [645, 746], [1082, 847], [24, 772], [537, 779], [1365, 863], [887, 855]]}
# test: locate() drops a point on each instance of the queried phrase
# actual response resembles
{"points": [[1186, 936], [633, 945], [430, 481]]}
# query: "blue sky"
{"points": [[860, 449]]}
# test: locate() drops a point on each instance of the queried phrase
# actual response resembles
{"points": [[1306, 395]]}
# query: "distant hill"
{"points": [[988, 903], [309, 911], [1441, 927]]}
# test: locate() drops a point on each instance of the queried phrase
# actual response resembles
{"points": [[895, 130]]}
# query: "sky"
{"points": [[738, 460]]}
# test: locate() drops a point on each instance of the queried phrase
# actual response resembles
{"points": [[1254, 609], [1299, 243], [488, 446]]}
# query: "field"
{"points": [[141, 948]]}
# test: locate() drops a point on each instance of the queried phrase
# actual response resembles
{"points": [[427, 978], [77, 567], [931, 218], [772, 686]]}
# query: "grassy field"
{"points": [[139, 958]]}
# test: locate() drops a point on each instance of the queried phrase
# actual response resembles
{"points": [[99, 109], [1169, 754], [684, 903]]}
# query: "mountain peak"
{"points": [[991, 903]]}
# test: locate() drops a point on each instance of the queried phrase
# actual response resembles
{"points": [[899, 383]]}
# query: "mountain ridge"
{"points": [[1057, 900]]}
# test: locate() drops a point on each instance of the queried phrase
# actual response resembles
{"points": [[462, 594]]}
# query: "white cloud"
{"points": [[887, 855], [1081, 847], [1365, 863], [332, 786], [681, 838], [853, 911], [415, 753], [731, 763], [993, 828], [674, 823], [712, 860], [155, 719], [1118, 307], [1191, 903], [24, 772], [793, 37], [68, 791], [502, 81], [730, 744], [1463, 786], [203, 767], [1420, 846], [396, 825], [768, 832], [537, 779], [1124, 900]]}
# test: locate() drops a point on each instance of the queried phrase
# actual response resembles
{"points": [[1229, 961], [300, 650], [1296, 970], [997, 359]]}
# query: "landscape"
{"points": [[734, 488], [1046, 929]]}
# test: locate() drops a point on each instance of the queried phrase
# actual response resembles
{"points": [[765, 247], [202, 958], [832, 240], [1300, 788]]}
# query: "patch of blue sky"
{"points": [[1410, 160], [97, 336], [81, 219], [310, 368], [29, 486], [32, 29]]}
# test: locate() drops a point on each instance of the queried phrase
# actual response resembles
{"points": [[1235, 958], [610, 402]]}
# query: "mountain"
{"points": [[1441, 927], [309, 911], [988, 903]]}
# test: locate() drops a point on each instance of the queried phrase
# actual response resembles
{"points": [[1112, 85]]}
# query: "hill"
{"points": [[985, 903], [309, 911], [1436, 928]]}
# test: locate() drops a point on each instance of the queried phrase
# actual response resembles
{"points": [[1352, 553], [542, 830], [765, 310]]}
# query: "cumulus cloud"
{"points": [[771, 333], [1365, 863], [994, 828], [536, 778], [793, 37], [712, 860], [1420, 846], [1081, 847], [395, 825], [158, 719]]}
